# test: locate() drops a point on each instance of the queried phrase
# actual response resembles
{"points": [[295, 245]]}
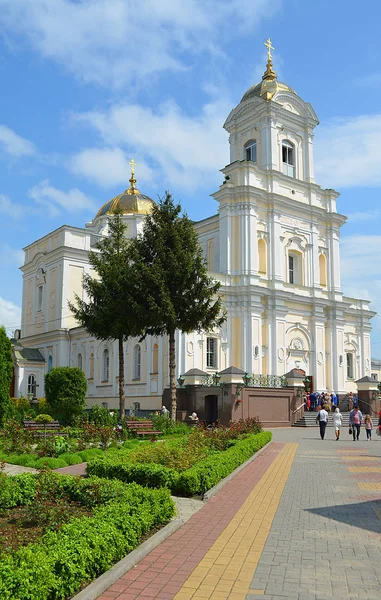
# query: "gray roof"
{"points": [[195, 372], [365, 379], [28, 354], [232, 371]]}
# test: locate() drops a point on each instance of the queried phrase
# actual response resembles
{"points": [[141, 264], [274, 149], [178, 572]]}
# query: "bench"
{"points": [[41, 430], [142, 428]]}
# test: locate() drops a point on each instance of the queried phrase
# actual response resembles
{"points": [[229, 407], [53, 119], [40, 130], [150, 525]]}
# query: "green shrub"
{"points": [[64, 560], [71, 458], [99, 415], [167, 426], [65, 389], [194, 481], [5, 374], [44, 419], [87, 455], [52, 463], [149, 475], [207, 473]]}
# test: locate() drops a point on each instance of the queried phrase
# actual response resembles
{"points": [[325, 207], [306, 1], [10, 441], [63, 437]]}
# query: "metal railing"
{"points": [[249, 380]]}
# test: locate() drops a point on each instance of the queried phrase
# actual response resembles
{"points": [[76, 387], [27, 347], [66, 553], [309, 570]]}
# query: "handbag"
{"points": [[350, 431]]}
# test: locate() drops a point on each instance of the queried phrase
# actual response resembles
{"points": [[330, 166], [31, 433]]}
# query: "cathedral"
{"points": [[273, 244]]}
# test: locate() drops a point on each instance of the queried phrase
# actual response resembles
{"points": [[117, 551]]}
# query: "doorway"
{"points": [[211, 409]]}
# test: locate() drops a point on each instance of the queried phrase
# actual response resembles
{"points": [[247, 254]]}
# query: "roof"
{"points": [[129, 202], [232, 371], [28, 354], [195, 372]]}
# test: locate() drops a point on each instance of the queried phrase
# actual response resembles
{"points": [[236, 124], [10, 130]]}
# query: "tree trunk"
{"points": [[172, 374], [122, 398]]}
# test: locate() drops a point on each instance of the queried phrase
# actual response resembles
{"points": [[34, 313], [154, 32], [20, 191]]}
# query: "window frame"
{"points": [[249, 147], [137, 372], [288, 165], [105, 366], [40, 293], [80, 361], [211, 353], [32, 384], [350, 365]]}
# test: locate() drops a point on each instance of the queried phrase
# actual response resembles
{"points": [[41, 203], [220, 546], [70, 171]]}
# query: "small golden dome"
{"points": [[130, 202], [269, 85]]}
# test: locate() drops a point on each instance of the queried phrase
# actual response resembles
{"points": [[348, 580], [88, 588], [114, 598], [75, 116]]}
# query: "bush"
{"points": [[5, 374], [66, 393], [149, 475], [99, 415], [167, 426], [207, 473], [15, 438], [194, 481], [64, 560]]}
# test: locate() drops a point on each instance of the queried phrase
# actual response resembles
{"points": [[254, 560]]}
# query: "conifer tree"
{"points": [[110, 312], [175, 288], [5, 373]]}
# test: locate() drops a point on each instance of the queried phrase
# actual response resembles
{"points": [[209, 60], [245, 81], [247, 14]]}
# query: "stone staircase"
{"points": [[309, 420]]}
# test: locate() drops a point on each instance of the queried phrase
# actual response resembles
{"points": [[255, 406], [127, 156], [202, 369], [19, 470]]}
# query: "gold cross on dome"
{"points": [[133, 165], [269, 47]]}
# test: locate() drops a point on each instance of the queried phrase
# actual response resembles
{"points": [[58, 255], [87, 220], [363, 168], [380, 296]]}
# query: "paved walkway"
{"points": [[302, 521]]}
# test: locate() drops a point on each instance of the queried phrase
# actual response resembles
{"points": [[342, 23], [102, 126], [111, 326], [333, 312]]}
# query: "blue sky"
{"points": [[89, 84]]}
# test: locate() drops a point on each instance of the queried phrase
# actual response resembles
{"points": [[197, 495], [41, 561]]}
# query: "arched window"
{"points": [[105, 365], [288, 158], [50, 362], [262, 257], [32, 384], [91, 365], [295, 268], [79, 360], [251, 151], [155, 359], [350, 366], [137, 359], [322, 270]]}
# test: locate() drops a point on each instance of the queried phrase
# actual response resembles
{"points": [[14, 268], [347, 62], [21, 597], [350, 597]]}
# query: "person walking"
{"points": [[322, 419], [337, 422], [368, 427], [355, 420]]}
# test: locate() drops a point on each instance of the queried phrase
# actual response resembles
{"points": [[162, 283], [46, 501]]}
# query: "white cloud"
{"points": [[348, 152], [185, 151], [107, 166], [55, 200], [361, 274], [10, 208], [113, 42], [10, 314], [14, 144], [10, 257]]}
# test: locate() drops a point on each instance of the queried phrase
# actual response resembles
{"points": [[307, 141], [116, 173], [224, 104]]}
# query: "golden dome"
{"points": [[269, 85], [130, 202]]}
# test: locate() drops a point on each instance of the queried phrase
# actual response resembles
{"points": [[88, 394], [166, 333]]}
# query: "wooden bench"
{"points": [[142, 428], [41, 430]]}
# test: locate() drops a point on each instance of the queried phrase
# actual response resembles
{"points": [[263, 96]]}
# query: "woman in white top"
{"points": [[337, 422]]}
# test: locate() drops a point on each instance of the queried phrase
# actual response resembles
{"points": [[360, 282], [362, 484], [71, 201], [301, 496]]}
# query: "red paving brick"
{"points": [[163, 571]]}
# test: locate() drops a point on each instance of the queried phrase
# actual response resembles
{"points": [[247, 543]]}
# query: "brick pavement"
{"points": [[299, 522]]}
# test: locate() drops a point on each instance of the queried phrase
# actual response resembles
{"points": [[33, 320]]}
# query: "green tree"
{"points": [[65, 390], [5, 374], [176, 291], [111, 312]]}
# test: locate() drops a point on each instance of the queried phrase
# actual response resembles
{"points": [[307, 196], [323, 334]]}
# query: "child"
{"points": [[368, 427]]}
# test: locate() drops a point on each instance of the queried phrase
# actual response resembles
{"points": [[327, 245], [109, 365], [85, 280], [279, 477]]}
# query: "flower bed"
{"points": [[63, 561], [195, 480]]}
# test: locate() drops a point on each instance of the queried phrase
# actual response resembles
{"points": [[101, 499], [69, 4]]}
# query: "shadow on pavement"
{"points": [[366, 515]]}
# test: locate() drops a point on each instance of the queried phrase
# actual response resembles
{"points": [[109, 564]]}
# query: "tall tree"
{"points": [[5, 373], [110, 311], [175, 288]]}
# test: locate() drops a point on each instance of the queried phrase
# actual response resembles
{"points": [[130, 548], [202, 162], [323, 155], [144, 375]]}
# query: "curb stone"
{"points": [[104, 581]]}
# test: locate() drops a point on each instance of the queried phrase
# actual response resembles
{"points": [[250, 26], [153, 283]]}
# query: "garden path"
{"points": [[301, 521]]}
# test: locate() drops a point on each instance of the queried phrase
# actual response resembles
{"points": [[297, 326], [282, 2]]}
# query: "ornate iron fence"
{"points": [[263, 381]]}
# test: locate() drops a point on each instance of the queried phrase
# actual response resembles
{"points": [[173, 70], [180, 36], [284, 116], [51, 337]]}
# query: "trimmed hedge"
{"points": [[57, 566], [63, 460], [194, 481]]}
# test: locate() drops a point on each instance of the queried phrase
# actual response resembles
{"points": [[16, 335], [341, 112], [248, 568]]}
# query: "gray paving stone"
{"points": [[325, 537]]}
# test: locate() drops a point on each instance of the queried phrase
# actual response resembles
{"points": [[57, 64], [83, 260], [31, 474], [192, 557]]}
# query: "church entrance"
{"points": [[211, 409]]}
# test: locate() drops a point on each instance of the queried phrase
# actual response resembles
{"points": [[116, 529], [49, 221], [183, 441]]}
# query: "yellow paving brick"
{"points": [[359, 458], [364, 469], [234, 556], [370, 486]]}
